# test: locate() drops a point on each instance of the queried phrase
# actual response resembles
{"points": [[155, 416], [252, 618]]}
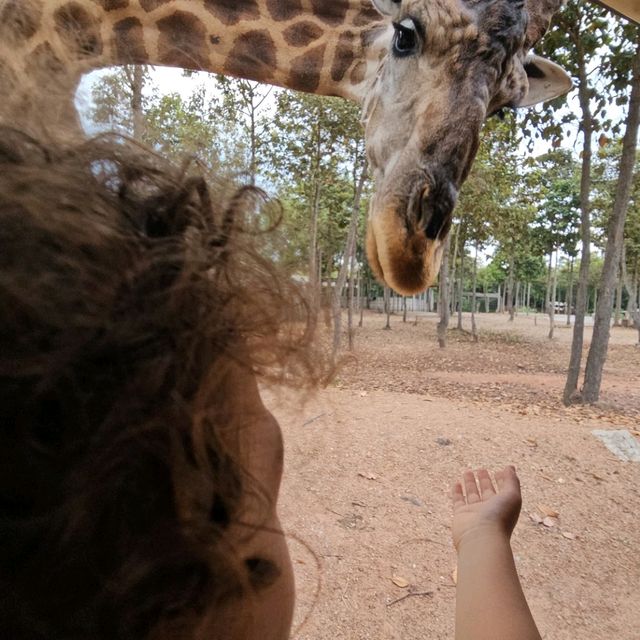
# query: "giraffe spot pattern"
{"points": [[253, 52], [358, 73], [152, 5], [282, 11], [305, 70], [344, 56], [112, 5], [230, 12], [129, 42], [333, 13], [301, 34], [182, 41], [78, 30], [366, 16], [19, 19]]}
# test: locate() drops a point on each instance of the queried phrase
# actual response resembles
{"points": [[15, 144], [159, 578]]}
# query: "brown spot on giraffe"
{"points": [[182, 41], [255, 51], [20, 19], [230, 12], [305, 70], [366, 16], [78, 30], [344, 55], [358, 72], [302, 34], [152, 5], [129, 41], [112, 5], [284, 11], [333, 13]]}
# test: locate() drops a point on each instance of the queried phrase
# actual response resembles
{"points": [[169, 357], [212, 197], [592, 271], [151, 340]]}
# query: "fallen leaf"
{"points": [[363, 394], [368, 476], [399, 581], [550, 522], [536, 518], [546, 510], [569, 536], [454, 575]]}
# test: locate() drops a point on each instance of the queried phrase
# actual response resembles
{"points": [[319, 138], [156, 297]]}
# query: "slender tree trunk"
{"points": [[461, 286], [615, 231], [632, 291], [575, 360], [552, 301], [352, 283], [570, 293], [349, 250], [618, 308], [137, 86], [474, 285], [387, 306], [510, 287], [404, 308], [443, 302], [452, 274], [361, 296]]}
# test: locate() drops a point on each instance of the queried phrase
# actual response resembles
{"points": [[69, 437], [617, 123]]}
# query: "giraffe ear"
{"points": [[389, 8], [547, 80]]}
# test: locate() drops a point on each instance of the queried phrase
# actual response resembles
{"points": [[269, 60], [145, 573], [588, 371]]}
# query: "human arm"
{"points": [[490, 603]]}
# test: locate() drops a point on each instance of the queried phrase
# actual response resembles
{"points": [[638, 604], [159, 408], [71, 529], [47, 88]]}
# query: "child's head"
{"points": [[138, 468]]}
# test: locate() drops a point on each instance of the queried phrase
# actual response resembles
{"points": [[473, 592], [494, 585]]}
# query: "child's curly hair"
{"points": [[125, 285]]}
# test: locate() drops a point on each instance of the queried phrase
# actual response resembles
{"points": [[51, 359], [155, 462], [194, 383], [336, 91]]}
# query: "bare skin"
{"points": [[490, 603]]}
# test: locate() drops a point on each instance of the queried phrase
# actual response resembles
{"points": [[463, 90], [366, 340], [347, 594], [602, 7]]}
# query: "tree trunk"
{"points": [[352, 283], [552, 301], [570, 293], [510, 287], [387, 306], [461, 286], [474, 285], [575, 360], [632, 291], [443, 302], [137, 85], [618, 307], [615, 232], [404, 308], [349, 250], [361, 296], [452, 275]]}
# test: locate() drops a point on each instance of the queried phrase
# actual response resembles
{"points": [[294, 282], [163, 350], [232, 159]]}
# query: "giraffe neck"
{"points": [[325, 47]]}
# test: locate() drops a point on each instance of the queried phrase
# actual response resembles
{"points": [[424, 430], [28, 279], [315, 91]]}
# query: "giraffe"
{"points": [[427, 72]]}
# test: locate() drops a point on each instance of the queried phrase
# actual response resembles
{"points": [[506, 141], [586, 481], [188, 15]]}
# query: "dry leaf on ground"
{"points": [[399, 581]]}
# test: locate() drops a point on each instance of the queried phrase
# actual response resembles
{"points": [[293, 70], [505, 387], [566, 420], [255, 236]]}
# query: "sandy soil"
{"points": [[369, 462]]}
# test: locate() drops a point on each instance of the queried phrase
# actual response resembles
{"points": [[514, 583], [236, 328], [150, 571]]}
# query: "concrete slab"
{"points": [[621, 443]]}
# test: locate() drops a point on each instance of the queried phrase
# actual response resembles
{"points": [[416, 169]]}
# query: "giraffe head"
{"points": [[449, 64]]}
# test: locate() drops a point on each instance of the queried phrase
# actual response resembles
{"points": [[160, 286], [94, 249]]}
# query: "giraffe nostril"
{"points": [[436, 208]]}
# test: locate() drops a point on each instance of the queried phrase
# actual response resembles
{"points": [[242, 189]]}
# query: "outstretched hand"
{"points": [[482, 508]]}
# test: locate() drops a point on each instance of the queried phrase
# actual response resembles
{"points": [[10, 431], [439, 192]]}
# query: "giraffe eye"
{"points": [[405, 40]]}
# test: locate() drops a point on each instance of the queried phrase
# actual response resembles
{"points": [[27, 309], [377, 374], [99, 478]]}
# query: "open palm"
{"points": [[480, 506]]}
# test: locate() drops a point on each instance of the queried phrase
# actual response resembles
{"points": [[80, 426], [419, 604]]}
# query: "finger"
{"points": [[470, 487], [486, 486], [507, 479], [457, 496]]}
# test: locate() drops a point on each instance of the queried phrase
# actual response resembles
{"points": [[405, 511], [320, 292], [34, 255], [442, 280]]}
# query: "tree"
{"points": [[119, 102], [617, 219], [578, 36]]}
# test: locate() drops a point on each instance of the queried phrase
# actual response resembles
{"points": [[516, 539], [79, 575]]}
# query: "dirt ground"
{"points": [[369, 462]]}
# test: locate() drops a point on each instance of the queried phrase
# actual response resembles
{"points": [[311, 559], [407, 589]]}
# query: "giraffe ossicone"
{"points": [[427, 72]]}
